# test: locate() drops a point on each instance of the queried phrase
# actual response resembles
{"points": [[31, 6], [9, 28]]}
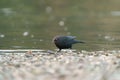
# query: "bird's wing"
{"points": [[71, 37]]}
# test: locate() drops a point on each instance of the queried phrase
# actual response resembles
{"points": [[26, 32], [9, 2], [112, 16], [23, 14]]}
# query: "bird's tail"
{"points": [[76, 41]]}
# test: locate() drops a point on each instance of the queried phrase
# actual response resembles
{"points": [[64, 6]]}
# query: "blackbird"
{"points": [[65, 42]]}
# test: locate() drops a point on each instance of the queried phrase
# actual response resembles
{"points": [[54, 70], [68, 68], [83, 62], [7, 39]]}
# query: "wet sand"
{"points": [[65, 65]]}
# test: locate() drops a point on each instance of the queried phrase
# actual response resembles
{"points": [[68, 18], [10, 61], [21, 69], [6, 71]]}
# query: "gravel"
{"points": [[65, 65]]}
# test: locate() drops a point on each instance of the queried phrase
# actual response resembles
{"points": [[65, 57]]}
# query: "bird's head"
{"points": [[55, 39]]}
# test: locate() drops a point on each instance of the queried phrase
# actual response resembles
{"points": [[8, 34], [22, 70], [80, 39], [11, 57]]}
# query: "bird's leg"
{"points": [[59, 50], [70, 48], [56, 53]]}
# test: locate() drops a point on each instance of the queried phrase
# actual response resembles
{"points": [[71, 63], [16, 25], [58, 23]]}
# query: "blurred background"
{"points": [[31, 24]]}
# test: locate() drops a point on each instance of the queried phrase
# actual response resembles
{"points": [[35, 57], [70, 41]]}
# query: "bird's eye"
{"points": [[55, 39]]}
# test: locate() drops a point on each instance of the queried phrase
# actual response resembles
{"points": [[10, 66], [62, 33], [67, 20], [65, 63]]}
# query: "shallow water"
{"points": [[34, 24]]}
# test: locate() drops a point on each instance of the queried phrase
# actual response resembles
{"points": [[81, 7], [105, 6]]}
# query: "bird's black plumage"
{"points": [[65, 42]]}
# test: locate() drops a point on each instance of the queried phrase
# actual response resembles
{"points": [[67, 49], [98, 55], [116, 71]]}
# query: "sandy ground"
{"points": [[65, 65]]}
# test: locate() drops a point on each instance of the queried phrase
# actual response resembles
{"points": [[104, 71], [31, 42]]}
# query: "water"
{"points": [[32, 25]]}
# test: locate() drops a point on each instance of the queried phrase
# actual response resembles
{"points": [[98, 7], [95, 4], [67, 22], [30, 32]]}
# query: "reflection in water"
{"points": [[61, 23], [109, 38], [7, 11], [21, 51], [115, 13], [2, 35], [26, 34]]}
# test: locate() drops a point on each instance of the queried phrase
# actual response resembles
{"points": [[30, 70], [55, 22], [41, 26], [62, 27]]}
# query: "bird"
{"points": [[65, 42]]}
